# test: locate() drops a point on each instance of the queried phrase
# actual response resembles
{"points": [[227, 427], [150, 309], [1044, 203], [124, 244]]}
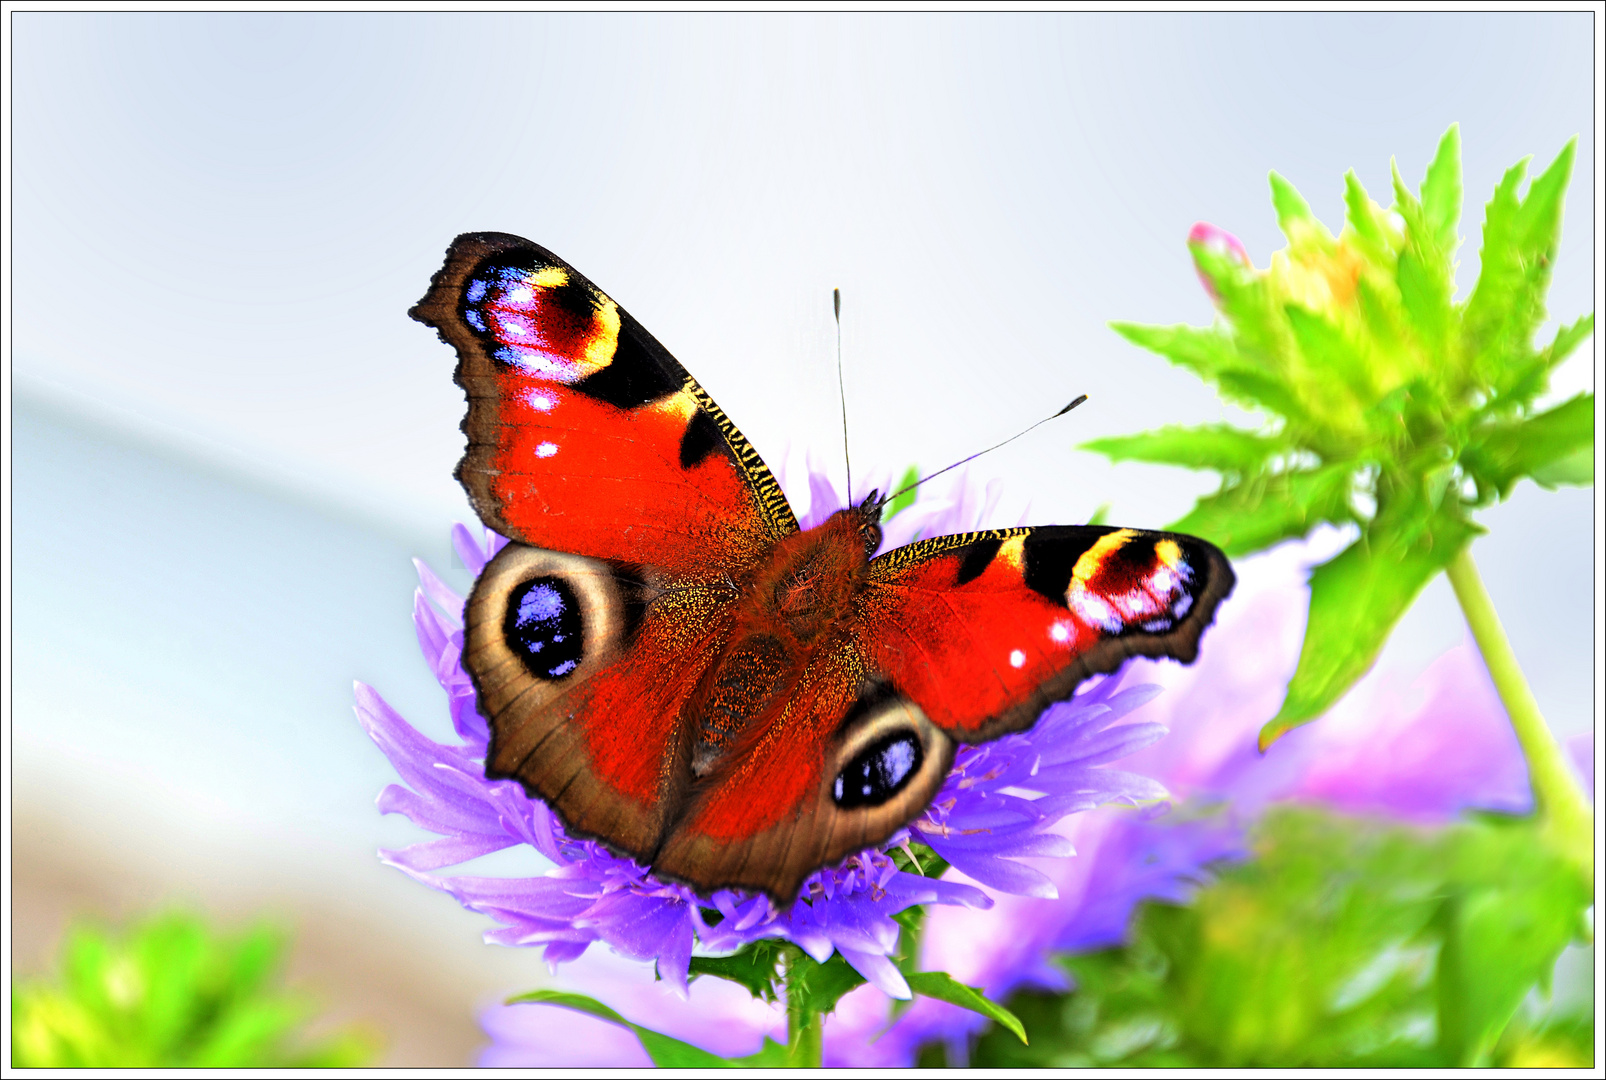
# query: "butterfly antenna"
{"points": [[1080, 398], [841, 387]]}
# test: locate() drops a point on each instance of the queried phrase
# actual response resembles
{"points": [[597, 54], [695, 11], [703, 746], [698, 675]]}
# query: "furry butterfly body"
{"points": [[676, 668]]}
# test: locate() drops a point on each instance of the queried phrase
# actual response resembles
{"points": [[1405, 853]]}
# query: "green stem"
{"points": [[1565, 815], [805, 1028]]}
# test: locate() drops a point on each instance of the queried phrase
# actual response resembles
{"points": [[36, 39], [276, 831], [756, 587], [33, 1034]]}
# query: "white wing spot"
{"points": [[546, 449], [1017, 659]]}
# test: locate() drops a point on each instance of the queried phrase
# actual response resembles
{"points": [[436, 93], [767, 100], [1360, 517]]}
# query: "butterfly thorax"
{"points": [[790, 604]]}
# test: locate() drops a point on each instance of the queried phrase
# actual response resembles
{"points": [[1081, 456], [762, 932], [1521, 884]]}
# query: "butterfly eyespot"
{"points": [[879, 771], [543, 627]]}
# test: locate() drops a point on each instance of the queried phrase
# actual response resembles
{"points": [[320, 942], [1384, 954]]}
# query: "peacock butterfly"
{"points": [[677, 669]]}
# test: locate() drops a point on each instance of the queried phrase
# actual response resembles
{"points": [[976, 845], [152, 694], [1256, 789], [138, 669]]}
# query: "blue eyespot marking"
{"points": [[543, 627], [879, 771]]}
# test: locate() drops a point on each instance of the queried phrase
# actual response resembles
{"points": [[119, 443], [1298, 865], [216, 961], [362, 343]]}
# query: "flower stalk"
{"points": [[1564, 813], [805, 1027]]}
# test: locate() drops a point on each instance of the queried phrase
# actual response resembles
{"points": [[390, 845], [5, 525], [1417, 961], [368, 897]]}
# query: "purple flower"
{"points": [[1001, 804]]}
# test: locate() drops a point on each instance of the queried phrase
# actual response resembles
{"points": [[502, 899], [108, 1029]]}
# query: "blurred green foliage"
{"points": [[1343, 942], [171, 994], [1389, 404]]}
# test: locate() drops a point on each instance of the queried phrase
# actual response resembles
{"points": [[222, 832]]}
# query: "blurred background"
{"points": [[228, 440]]}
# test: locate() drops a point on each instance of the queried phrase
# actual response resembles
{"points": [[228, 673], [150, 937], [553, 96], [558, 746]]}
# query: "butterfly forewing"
{"points": [[985, 630], [584, 433]]}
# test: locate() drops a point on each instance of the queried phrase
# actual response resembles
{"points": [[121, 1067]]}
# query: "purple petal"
{"points": [[448, 851], [1002, 874], [441, 594], [879, 972]]}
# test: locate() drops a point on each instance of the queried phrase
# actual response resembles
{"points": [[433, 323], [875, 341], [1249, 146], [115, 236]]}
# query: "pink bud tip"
{"points": [[1206, 236], [1217, 240]]}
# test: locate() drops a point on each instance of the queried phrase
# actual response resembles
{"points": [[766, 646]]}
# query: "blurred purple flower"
{"points": [[999, 805], [1423, 752]]}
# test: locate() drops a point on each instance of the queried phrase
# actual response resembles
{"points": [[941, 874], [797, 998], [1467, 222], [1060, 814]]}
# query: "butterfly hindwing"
{"points": [[985, 630], [584, 433]]}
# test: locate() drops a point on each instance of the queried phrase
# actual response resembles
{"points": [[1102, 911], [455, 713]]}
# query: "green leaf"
{"points": [[1441, 191], [666, 1052], [906, 499], [1293, 212], [1576, 468], [754, 967], [1363, 215], [1558, 443], [1566, 340], [818, 987], [944, 987], [1514, 906], [1519, 246], [1355, 600], [1424, 273], [1263, 510], [1220, 447], [1205, 352], [1101, 516], [1527, 380]]}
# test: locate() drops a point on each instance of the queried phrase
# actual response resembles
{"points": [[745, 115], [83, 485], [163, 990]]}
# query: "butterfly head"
{"points": [[866, 518]]}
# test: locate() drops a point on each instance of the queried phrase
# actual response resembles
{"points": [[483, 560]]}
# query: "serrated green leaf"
{"points": [[1424, 273], [944, 987], [1441, 191], [1567, 339], [1263, 510], [1261, 390], [1556, 446], [1293, 212], [1205, 352], [753, 966], [1355, 600], [1362, 214], [1519, 246], [666, 1052], [1425, 294], [1100, 516], [1220, 447], [818, 987], [1525, 380]]}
